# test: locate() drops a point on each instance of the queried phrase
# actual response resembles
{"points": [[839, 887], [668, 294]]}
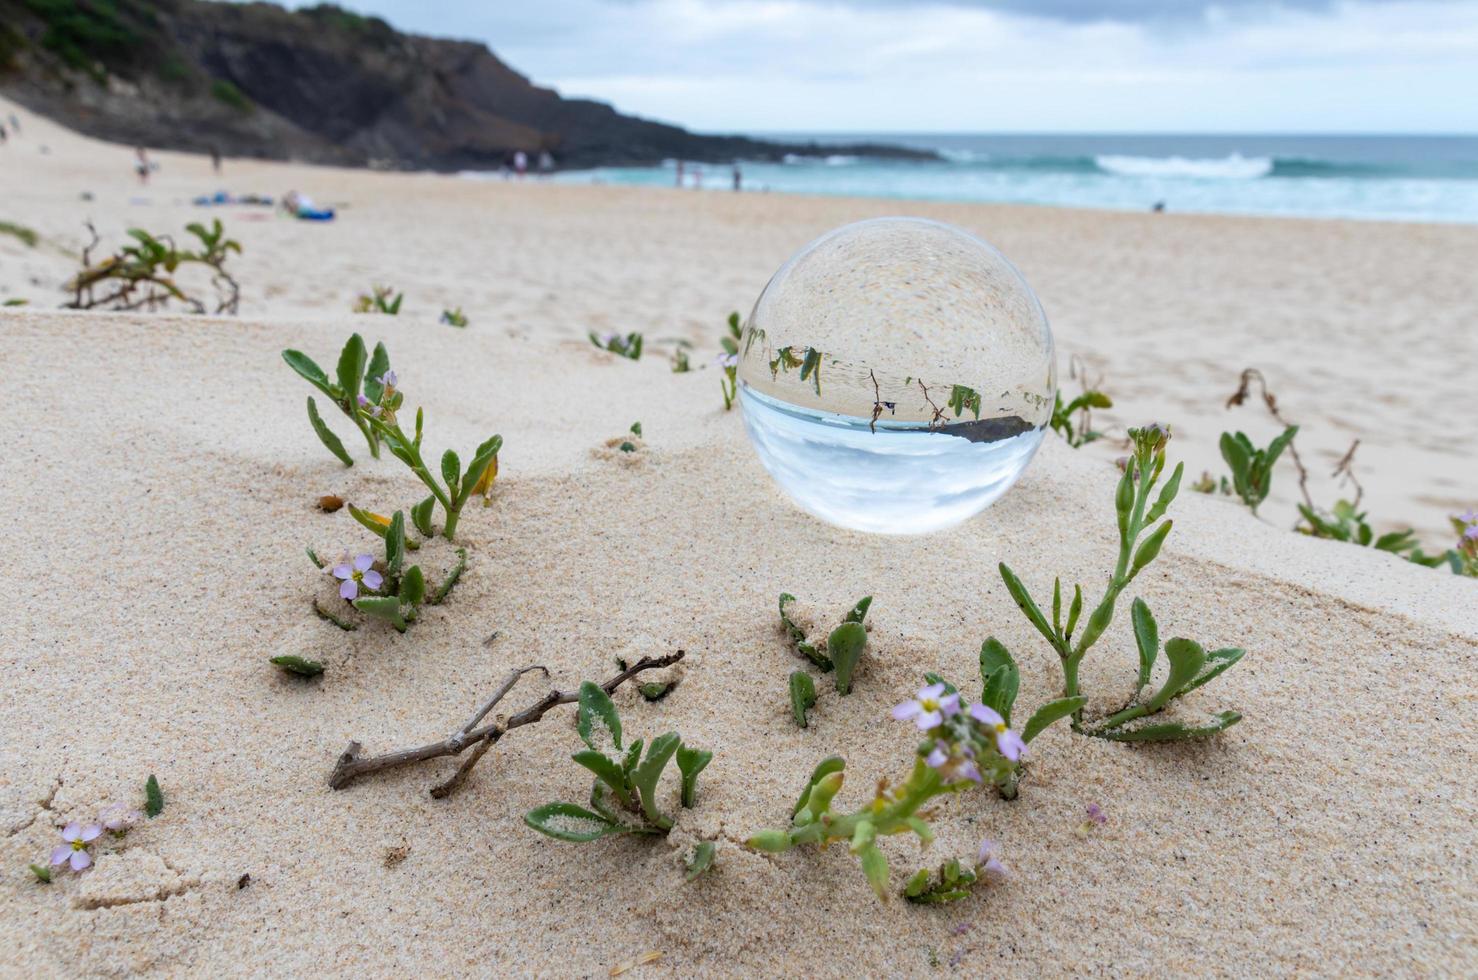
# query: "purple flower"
{"points": [[1008, 743], [930, 708], [75, 841], [1471, 533], [988, 861], [1096, 814], [727, 360], [356, 573], [388, 380], [118, 818], [369, 407], [1471, 517]]}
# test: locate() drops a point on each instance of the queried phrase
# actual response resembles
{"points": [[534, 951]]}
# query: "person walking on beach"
{"points": [[546, 163], [738, 177], [679, 174], [520, 163], [141, 165], [215, 159]]}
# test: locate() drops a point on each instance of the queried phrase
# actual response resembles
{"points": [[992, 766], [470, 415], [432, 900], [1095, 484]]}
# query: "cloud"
{"points": [[973, 65]]}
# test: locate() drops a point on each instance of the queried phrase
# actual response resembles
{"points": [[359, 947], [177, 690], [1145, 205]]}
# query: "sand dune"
{"points": [[162, 481]]}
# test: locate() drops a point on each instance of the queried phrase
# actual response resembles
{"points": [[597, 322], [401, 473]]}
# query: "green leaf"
{"points": [[931, 678], [326, 435], [395, 544], [1098, 621], [1167, 495], [607, 771], [298, 665], [1025, 604], [42, 873], [649, 772], [1186, 659], [802, 696], [597, 720], [383, 607], [875, 867], [1147, 638], [1074, 611], [1150, 548], [1173, 731], [153, 797], [421, 516], [309, 369], [700, 860], [364, 517], [858, 612], [481, 460], [379, 363], [690, 762], [1217, 662], [798, 636], [824, 768], [915, 885], [1050, 712], [565, 821], [451, 470], [845, 647], [1276, 447], [1000, 690], [413, 586], [351, 368]]}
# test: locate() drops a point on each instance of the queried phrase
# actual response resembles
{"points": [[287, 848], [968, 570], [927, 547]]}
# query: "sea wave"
{"points": [[1233, 167]]}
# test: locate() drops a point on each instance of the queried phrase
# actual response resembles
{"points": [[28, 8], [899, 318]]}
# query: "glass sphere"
{"points": [[896, 376]]}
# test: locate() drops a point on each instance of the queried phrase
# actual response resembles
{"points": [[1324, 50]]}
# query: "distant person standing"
{"points": [[738, 177], [215, 158], [546, 163], [3, 137], [141, 165], [520, 163], [679, 174], [697, 178]]}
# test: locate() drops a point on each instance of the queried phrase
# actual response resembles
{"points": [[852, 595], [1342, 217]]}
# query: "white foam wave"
{"points": [[1234, 167]]}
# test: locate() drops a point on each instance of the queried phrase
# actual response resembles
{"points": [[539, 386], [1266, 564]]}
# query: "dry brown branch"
{"points": [[1344, 469], [1271, 401], [351, 765]]}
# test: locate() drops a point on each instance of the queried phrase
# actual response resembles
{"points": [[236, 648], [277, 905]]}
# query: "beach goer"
{"points": [[215, 158], [141, 164], [738, 177], [3, 137], [697, 177], [546, 163], [520, 163], [679, 173]]}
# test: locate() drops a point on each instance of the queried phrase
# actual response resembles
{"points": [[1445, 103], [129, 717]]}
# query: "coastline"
{"points": [[165, 478]]}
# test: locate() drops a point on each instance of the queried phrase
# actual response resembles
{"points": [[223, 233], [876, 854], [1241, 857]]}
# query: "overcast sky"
{"points": [[990, 65]]}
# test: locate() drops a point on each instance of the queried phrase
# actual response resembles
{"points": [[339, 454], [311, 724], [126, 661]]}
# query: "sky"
{"points": [[1238, 66]]}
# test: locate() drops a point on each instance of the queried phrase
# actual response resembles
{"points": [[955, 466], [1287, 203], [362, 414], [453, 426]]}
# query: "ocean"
{"points": [[1416, 178]]}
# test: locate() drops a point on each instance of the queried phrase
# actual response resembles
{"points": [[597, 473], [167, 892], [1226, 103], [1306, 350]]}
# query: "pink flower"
{"points": [[988, 861], [1008, 743], [930, 708], [75, 841], [355, 574]]}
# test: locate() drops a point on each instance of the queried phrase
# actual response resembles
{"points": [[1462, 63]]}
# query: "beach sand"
{"points": [[162, 482]]}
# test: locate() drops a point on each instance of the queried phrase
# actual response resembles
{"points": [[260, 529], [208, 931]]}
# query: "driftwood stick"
{"points": [[489, 736], [351, 765]]}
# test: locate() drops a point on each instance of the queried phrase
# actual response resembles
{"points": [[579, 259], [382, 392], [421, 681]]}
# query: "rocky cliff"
{"points": [[320, 84]]}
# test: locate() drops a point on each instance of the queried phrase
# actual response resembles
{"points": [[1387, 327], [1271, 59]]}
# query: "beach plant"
{"points": [[1252, 467], [628, 346], [1464, 558], [842, 648], [454, 317], [26, 236], [1074, 420], [297, 666], [802, 696], [359, 385], [963, 746], [953, 880], [385, 589], [1345, 523], [457, 485], [380, 299], [623, 795], [142, 275], [79, 840], [728, 361], [1190, 666]]}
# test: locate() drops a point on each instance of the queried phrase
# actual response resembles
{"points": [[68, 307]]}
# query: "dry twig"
{"points": [[351, 765]]}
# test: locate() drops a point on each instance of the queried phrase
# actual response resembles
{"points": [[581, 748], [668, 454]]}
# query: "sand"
{"points": [[162, 481]]}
